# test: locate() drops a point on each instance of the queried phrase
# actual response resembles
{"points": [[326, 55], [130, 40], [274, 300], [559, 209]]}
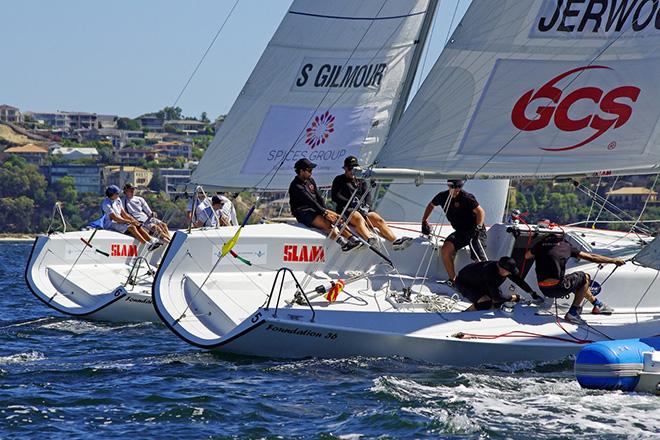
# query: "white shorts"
{"points": [[151, 223], [117, 227]]}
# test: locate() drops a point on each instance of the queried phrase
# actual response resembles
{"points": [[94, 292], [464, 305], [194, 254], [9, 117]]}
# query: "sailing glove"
{"points": [[426, 228]]}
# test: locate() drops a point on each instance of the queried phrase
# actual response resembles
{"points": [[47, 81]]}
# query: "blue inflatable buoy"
{"points": [[613, 365]]}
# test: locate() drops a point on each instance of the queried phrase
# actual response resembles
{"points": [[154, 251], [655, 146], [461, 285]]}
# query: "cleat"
{"points": [[602, 309], [372, 241], [401, 243]]}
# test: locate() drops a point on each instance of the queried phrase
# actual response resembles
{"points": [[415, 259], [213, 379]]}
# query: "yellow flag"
{"points": [[231, 243]]}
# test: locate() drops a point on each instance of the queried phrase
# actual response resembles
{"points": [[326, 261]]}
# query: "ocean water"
{"points": [[63, 378]]}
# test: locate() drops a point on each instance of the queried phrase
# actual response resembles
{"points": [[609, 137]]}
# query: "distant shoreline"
{"points": [[16, 237]]}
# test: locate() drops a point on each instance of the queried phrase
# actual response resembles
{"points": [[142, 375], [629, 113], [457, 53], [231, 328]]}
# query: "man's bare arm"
{"points": [[596, 258]]}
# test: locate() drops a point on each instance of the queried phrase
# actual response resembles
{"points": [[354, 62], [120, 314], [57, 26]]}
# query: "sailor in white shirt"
{"points": [[224, 210], [116, 219], [139, 209], [202, 215]]}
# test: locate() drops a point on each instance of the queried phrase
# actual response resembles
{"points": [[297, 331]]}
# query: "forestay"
{"points": [[326, 87], [539, 88]]}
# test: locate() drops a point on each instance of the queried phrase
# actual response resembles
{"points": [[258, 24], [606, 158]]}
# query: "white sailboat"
{"points": [[323, 54], [524, 88], [102, 275]]}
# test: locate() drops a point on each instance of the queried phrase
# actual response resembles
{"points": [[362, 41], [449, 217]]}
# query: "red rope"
{"points": [[521, 333]]}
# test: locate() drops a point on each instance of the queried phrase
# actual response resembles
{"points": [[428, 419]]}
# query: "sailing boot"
{"points": [[600, 308], [401, 243], [573, 316]]}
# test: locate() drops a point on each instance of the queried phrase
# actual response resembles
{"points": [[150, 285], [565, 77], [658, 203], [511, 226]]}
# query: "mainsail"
{"points": [[539, 88], [326, 87]]}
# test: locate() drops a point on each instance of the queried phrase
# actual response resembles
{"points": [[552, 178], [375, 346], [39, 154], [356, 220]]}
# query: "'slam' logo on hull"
{"points": [[123, 250], [303, 253], [554, 106]]}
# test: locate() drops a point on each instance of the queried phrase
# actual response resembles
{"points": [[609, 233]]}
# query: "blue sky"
{"points": [[129, 57]]}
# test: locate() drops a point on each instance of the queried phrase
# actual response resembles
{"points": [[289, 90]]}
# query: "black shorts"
{"points": [[306, 217], [469, 292], [476, 240], [569, 284]]}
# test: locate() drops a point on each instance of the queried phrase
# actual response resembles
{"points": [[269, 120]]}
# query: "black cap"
{"points": [[455, 183], [304, 163], [215, 200], [508, 264], [351, 162]]}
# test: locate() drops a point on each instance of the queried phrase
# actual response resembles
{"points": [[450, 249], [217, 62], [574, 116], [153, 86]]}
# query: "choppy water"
{"points": [[64, 378]]}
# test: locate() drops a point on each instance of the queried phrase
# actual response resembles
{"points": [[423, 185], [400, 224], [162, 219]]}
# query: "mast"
{"points": [[417, 55]]}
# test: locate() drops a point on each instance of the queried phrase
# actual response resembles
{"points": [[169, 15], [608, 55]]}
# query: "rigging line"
{"points": [[451, 23], [593, 200], [607, 196], [648, 197], [208, 49], [622, 220], [579, 74], [634, 227]]}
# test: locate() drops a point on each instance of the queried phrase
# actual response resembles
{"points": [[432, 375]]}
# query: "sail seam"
{"points": [[338, 17]]}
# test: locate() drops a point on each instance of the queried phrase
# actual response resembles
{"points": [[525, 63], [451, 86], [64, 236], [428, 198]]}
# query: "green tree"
{"points": [[18, 178], [128, 124], [16, 213], [156, 183], [170, 113], [204, 117], [66, 191]]}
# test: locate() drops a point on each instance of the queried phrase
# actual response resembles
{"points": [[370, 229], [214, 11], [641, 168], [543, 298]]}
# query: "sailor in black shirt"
{"points": [[551, 254], [479, 282], [358, 212], [466, 217], [308, 206]]}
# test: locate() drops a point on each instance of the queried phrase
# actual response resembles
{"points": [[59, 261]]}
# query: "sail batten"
{"points": [[531, 88], [325, 88]]}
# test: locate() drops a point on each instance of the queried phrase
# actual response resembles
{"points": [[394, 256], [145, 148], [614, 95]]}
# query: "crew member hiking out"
{"points": [[466, 217], [115, 218], [358, 213], [138, 208], [551, 254], [480, 283], [308, 206]]}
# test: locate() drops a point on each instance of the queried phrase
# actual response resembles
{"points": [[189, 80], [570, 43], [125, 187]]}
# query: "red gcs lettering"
{"points": [[607, 103]]}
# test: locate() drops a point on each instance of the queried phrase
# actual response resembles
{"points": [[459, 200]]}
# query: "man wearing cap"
{"points": [[224, 209], [308, 206], [139, 209], [466, 217], [480, 283], [347, 189], [200, 212], [551, 254], [116, 219]]}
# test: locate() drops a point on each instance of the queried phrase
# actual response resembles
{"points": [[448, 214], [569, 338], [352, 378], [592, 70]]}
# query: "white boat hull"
{"points": [[228, 309], [91, 280]]}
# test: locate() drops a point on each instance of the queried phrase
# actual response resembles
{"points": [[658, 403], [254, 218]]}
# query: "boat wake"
{"points": [[499, 405]]}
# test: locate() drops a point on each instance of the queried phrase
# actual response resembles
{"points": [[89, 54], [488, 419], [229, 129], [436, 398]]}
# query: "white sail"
{"points": [[405, 202], [326, 87], [538, 88]]}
